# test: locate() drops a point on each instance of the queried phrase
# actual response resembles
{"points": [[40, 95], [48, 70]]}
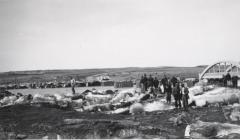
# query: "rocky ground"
{"points": [[43, 121]]}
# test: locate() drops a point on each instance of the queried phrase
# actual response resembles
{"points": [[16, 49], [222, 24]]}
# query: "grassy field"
{"points": [[115, 73]]}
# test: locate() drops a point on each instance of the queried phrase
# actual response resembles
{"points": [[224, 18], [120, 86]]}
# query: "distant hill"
{"points": [[116, 74], [202, 66]]}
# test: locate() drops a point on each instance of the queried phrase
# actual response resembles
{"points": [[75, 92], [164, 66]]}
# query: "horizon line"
{"points": [[58, 69]]}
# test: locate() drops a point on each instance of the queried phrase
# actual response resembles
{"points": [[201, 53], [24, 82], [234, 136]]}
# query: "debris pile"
{"points": [[133, 102], [117, 102], [108, 101], [47, 99], [213, 95]]}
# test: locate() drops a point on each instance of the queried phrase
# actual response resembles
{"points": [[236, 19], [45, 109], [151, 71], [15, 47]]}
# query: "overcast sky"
{"points": [[77, 34]]}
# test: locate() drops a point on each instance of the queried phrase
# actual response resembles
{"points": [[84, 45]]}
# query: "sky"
{"points": [[79, 34]]}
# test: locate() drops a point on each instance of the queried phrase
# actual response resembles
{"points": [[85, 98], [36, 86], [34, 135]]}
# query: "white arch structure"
{"points": [[218, 69]]}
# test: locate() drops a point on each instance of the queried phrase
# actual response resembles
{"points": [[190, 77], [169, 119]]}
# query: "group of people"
{"points": [[170, 87], [147, 82], [180, 94], [227, 79]]}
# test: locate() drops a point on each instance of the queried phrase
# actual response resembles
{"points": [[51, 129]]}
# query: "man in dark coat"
{"points": [[185, 96], [145, 79], [156, 82], [228, 78], [168, 92], [174, 80], [142, 84], [235, 81], [150, 81], [164, 82], [177, 95]]}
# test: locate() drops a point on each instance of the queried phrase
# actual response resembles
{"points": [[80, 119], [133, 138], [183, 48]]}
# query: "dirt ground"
{"points": [[38, 121]]}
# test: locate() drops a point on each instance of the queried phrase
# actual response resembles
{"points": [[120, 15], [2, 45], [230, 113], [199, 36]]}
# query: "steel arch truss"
{"points": [[218, 69]]}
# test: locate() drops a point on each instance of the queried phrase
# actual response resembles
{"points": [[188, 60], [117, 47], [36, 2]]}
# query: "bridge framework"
{"points": [[219, 69]]}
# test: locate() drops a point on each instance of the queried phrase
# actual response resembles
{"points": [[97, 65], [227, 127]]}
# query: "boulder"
{"points": [[233, 99], [136, 108]]}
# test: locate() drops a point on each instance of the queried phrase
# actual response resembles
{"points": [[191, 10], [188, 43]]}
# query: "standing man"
{"points": [[169, 92], [174, 81], [73, 83], [185, 96], [150, 81], [235, 81], [145, 79], [142, 84], [164, 82], [156, 83], [177, 95], [228, 78]]}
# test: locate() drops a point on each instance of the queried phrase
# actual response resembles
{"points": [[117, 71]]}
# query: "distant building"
{"points": [[99, 78], [123, 84]]}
